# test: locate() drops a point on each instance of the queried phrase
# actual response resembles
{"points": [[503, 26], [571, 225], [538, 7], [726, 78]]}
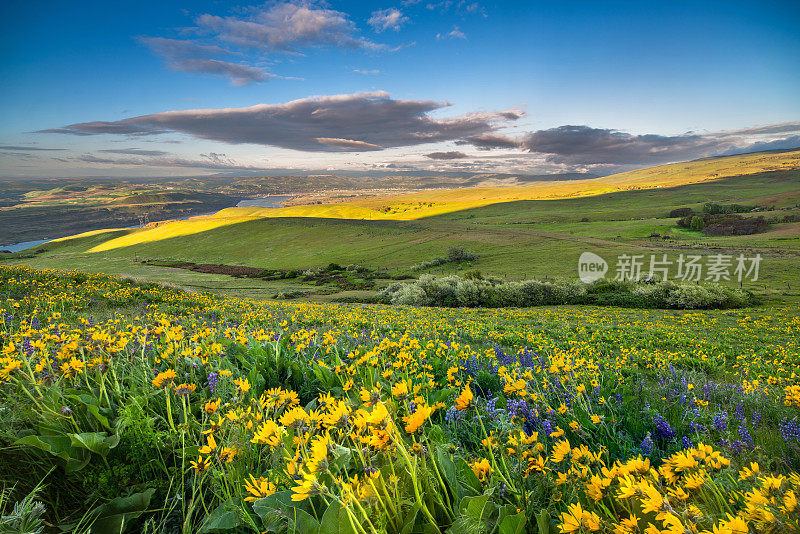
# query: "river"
{"points": [[273, 201]]}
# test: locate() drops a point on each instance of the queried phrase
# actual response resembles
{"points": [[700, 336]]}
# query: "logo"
{"points": [[591, 267]]}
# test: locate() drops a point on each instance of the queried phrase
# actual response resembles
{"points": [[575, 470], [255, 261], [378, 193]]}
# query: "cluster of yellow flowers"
{"points": [[387, 380]]}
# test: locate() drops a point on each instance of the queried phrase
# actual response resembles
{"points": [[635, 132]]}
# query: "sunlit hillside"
{"points": [[432, 203]]}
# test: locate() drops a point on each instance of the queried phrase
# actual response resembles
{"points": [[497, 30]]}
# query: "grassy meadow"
{"points": [[139, 408], [514, 239]]}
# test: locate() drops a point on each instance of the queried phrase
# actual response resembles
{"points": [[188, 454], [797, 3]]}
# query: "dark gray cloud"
{"points": [[212, 160], [353, 122], [238, 74], [189, 56], [387, 19], [584, 145], [134, 152], [489, 141], [453, 154], [16, 148], [347, 144], [108, 127]]}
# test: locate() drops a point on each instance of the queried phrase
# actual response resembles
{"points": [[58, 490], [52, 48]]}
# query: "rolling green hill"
{"points": [[527, 238]]}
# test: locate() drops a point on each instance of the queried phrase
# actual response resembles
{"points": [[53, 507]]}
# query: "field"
{"points": [[148, 409], [196, 376], [512, 238]]}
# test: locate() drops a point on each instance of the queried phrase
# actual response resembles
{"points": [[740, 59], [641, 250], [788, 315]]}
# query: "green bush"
{"points": [[457, 291], [697, 223]]}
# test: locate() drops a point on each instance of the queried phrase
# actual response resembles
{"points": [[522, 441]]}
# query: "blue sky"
{"points": [[522, 87]]}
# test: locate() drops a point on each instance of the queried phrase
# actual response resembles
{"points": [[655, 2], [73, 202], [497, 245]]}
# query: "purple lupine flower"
{"points": [[663, 428], [647, 445], [756, 418], [696, 427], [452, 415], [721, 421], [547, 426], [790, 430], [526, 358], [502, 357], [212, 381], [686, 442], [744, 434], [739, 413]]}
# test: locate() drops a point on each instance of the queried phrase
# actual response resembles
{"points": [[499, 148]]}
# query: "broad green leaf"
{"points": [[113, 517], [335, 521], [411, 518], [543, 522], [467, 476], [513, 524], [57, 445], [96, 442], [473, 506], [302, 521], [224, 517], [341, 455]]}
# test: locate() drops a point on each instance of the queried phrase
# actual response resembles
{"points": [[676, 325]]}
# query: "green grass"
{"points": [[513, 239]]}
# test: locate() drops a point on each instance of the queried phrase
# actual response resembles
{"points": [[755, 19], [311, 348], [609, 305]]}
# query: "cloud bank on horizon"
{"points": [[462, 76], [375, 121]]}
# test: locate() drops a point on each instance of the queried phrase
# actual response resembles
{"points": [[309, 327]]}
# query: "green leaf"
{"points": [[57, 445], [447, 468], [280, 505], [302, 521], [467, 476], [224, 517], [96, 442], [113, 517], [411, 518], [342, 455], [276, 502], [513, 524], [543, 522], [473, 506], [335, 521], [61, 446]]}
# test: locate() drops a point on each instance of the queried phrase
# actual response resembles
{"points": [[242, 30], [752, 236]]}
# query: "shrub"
{"points": [[457, 291], [697, 223], [454, 255], [681, 212], [711, 208]]}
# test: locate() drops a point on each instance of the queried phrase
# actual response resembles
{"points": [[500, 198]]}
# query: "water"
{"points": [[273, 201], [17, 247]]}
